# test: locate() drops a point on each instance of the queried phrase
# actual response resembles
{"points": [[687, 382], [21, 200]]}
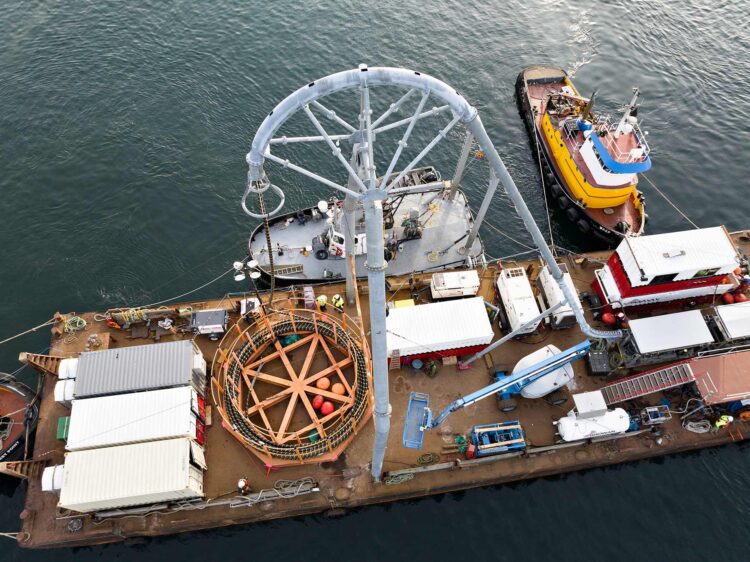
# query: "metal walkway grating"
{"points": [[648, 383]]}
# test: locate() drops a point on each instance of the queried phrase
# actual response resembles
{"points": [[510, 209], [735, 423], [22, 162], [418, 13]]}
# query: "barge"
{"points": [[330, 483]]}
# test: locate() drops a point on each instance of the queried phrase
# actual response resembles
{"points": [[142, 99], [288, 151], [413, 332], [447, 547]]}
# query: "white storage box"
{"points": [[134, 418], [454, 284], [131, 475]]}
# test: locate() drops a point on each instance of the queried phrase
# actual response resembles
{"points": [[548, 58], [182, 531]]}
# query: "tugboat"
{"points": [[426, 227], [19, 413], [590, 164]]}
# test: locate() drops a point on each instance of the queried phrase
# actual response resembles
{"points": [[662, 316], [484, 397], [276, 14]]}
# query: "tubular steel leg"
{"points": [[376, 266], [482, 212], [461, 165]]}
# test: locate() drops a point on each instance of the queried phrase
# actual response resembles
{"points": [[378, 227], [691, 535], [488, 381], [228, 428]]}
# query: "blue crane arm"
{"points": [[524, 377]]}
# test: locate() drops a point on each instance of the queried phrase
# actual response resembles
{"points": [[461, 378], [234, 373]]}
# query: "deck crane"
{"points": [[419, 417]]}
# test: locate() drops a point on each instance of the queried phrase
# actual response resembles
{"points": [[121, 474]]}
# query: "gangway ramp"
{"points": [[649, 382]]}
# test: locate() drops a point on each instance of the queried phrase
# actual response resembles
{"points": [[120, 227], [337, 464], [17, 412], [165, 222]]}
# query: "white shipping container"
{"points": [[439, 326], [454, 284], [132, 475], [517, 298], [133, 418], [563, 317]]}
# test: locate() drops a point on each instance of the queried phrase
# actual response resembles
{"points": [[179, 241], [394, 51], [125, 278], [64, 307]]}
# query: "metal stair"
{"points": [[45, 364], [648, 383], [284, 269], [395, 360]]}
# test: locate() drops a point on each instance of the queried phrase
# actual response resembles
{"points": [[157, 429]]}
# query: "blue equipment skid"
{"points": [[497, 438], [418, 417]]}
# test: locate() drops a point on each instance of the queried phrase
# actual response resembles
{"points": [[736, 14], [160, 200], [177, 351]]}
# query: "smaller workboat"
{"points": [[589, 163], [19, 413], [426, 223]]}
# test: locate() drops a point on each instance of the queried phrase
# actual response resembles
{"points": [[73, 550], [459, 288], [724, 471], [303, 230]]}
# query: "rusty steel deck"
{"points": [[346, 483]]}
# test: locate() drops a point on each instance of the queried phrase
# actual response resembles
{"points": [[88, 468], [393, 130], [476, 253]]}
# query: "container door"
{"points": [[197, 455]]}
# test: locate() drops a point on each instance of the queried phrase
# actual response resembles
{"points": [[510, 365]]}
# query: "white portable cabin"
{"points": [[661, 268], [454, 284], [552, 294], [517, 298], [132, 475], [134, 418], [446, 328], [733, 320], [668, 332]]}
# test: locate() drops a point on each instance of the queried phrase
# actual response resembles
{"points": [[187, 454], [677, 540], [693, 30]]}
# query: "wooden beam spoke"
{"points": [[268, 402], [263, 416], [328, 370], [288, 415], [275, 354], [340, 365], [310, 356], [272, 379], [333, 396]]}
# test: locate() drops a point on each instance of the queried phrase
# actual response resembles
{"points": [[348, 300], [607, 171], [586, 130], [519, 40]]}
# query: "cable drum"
{"points": [[244, 350]]}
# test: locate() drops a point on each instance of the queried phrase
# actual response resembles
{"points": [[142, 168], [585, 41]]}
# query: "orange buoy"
{"points": [[317, 402], [609, 319], [740, 297], [326, 408], [728, 298], [338, 388], [323, 383]]}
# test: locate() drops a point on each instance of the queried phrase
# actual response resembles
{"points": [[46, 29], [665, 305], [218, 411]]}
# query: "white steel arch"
{"points": [[362, 186]]}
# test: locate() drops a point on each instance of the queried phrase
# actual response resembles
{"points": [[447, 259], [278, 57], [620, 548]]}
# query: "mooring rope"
{"points": [[668, 200]]}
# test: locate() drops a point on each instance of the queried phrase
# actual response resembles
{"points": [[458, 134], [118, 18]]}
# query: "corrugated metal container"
{"points": [[141, 367], [438, 326], [130, 475], [133, 418]]}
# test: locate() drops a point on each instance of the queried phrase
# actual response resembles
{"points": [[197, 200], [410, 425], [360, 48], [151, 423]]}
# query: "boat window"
{"points": [[5, 424], [706, 272], [661, 279]]}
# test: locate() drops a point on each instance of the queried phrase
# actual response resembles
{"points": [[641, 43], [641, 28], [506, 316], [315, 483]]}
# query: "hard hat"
{"points": [[336, 296], [730, 418]]}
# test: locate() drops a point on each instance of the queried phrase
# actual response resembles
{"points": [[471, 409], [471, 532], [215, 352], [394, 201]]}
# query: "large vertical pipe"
{"points": [[494, 181], [376, 265], [475, 126], [349, 227], [461, 165]]}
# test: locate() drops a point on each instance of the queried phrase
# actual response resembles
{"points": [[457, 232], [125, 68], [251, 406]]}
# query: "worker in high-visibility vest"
{"points": [[338, 303], [723, 421], [322, 301]]}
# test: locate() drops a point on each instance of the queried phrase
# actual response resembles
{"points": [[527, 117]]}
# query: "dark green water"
{"points": [[123, 130]]}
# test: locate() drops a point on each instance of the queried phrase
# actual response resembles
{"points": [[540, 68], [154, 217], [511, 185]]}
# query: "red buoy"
{"points": [[317, 402], [728, 298], [609, 319], [326, 408], [740, 297]]}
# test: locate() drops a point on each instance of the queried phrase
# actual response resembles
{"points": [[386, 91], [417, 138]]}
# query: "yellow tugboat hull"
{"points": [[579, 188]]}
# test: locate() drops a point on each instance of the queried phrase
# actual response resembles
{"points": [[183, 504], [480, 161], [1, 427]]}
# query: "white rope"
{"points": [[675, 207], [34, 329]]}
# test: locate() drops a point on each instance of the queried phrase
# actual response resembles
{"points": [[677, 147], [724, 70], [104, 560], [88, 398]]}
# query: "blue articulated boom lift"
{"points": [[419, 415]]}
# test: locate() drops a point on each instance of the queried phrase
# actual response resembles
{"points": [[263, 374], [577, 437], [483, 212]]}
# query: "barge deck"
{"points": [[346, 483]]}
